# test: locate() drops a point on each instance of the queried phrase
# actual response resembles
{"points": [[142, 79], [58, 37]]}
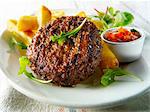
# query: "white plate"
{"points": [[82, 95]]}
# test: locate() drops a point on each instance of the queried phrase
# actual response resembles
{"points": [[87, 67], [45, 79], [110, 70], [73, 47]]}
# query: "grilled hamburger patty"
{"points": [[70, 63]]}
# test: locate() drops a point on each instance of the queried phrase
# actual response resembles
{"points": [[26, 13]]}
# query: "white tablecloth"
{"points": [[13, 101]]}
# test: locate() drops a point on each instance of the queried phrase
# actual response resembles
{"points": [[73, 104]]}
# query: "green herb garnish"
{"points": [[110, 74], [114, 18], [64, 35], [24, 62], [13, 42]]}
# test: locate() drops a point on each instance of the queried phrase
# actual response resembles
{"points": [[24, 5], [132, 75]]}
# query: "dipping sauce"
{"points": [[122, 35]]}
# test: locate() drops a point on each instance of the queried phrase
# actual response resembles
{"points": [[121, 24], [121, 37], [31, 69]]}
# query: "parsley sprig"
{"points": [[64, 35]]}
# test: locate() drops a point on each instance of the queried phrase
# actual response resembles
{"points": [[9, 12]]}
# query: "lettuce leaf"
{"points": [[123, 19], [24, 62], [110, 74]]}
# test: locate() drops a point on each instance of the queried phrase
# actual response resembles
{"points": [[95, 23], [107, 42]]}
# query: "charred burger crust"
{"points": [[70, 63]]}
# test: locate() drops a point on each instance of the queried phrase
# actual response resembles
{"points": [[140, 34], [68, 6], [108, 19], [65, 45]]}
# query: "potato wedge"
{"points": [[81, 14], [8, 36], [27, 23], [108, 60], [12, 25], [57, 13], [25, 37], [44, 16], [98, 24]]}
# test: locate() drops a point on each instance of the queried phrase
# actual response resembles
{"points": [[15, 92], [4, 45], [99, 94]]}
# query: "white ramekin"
{"points": [[126, 51]]}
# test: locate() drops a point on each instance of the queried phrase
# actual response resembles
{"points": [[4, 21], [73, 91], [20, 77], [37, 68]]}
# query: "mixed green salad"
{"points": [[113, 18]]}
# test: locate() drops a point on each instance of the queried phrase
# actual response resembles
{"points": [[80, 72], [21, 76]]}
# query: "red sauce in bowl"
{"points": [[122, 35]]}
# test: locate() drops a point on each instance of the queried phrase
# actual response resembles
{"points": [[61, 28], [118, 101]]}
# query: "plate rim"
{"points": [[102, 106]]}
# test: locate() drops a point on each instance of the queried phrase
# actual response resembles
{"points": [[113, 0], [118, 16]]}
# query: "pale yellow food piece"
{"points": [[108, 59], [25, 37], [12, 25], [44, 16], [98, 24], [27, 23], [81, 14], [57, 13]]}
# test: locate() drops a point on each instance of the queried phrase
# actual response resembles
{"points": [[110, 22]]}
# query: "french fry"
{"points": [[108, 60], [27, 23], [44, 16], [81, 14], [25, 37]]}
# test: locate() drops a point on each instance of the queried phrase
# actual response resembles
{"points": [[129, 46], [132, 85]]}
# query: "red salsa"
{"points": [[122, 35]]}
